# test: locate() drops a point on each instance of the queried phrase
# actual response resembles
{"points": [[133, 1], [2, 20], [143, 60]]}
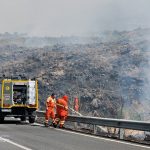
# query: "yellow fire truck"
{"points": [[19, 99]]}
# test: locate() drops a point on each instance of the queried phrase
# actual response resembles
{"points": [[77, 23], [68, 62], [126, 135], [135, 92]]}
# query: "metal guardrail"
{"points": [[117, 123]]}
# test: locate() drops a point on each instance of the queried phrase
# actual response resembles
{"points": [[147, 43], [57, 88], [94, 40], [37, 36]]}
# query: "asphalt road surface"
{"points": [[23, 136]]}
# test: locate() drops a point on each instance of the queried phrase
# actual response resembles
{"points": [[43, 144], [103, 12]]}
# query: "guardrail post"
{"points": [[95, 128], [121, 133], [75, 125]]}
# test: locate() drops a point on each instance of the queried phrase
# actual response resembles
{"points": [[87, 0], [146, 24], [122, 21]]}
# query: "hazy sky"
{"points": [[72, 17]]}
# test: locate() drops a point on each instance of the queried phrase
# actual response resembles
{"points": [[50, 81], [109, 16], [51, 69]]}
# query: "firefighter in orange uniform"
{"points": [[61, 111], [76, 104], [50, 106]]}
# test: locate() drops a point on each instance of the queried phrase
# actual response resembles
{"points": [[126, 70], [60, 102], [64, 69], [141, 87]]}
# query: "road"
{"points": [[18, 136]]}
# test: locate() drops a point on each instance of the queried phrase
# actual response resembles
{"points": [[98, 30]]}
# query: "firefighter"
{"points": [[50, 106], [76, 104], [61, 111]]}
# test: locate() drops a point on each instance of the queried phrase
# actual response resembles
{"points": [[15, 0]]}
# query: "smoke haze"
{"points": [[72, 17]]}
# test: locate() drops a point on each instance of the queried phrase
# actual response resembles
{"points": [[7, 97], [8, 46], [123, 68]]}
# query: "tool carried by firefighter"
{"points": [[18, 98]]}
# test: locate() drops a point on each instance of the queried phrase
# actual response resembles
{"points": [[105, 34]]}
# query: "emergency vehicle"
{"points": [[19, 99]]}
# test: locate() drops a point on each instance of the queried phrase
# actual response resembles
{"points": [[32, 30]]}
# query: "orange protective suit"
{"points": [[61, 111], [50, 105]]}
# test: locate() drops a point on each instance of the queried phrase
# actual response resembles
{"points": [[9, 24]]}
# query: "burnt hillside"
{"points": [[109, 75]]}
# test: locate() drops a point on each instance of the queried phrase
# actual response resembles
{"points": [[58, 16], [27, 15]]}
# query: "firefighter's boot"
{"points": [[46, 124]]}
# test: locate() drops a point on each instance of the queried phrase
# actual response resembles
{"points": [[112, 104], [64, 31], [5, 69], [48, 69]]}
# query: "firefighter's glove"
{"points": [[66, 107]]}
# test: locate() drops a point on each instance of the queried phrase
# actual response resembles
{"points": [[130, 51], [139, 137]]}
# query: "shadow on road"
{"points": [[11, 122], [17, 122]]}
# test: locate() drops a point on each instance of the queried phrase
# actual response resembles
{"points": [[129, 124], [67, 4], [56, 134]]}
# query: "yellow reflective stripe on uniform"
{"points": [[60, 105], [62, 122], [57, 119], [47, 100], [51, 99]]}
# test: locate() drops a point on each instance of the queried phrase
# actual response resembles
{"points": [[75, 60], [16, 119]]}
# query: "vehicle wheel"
{"points": [[2, 119], [31, 119], [23, 118]]}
